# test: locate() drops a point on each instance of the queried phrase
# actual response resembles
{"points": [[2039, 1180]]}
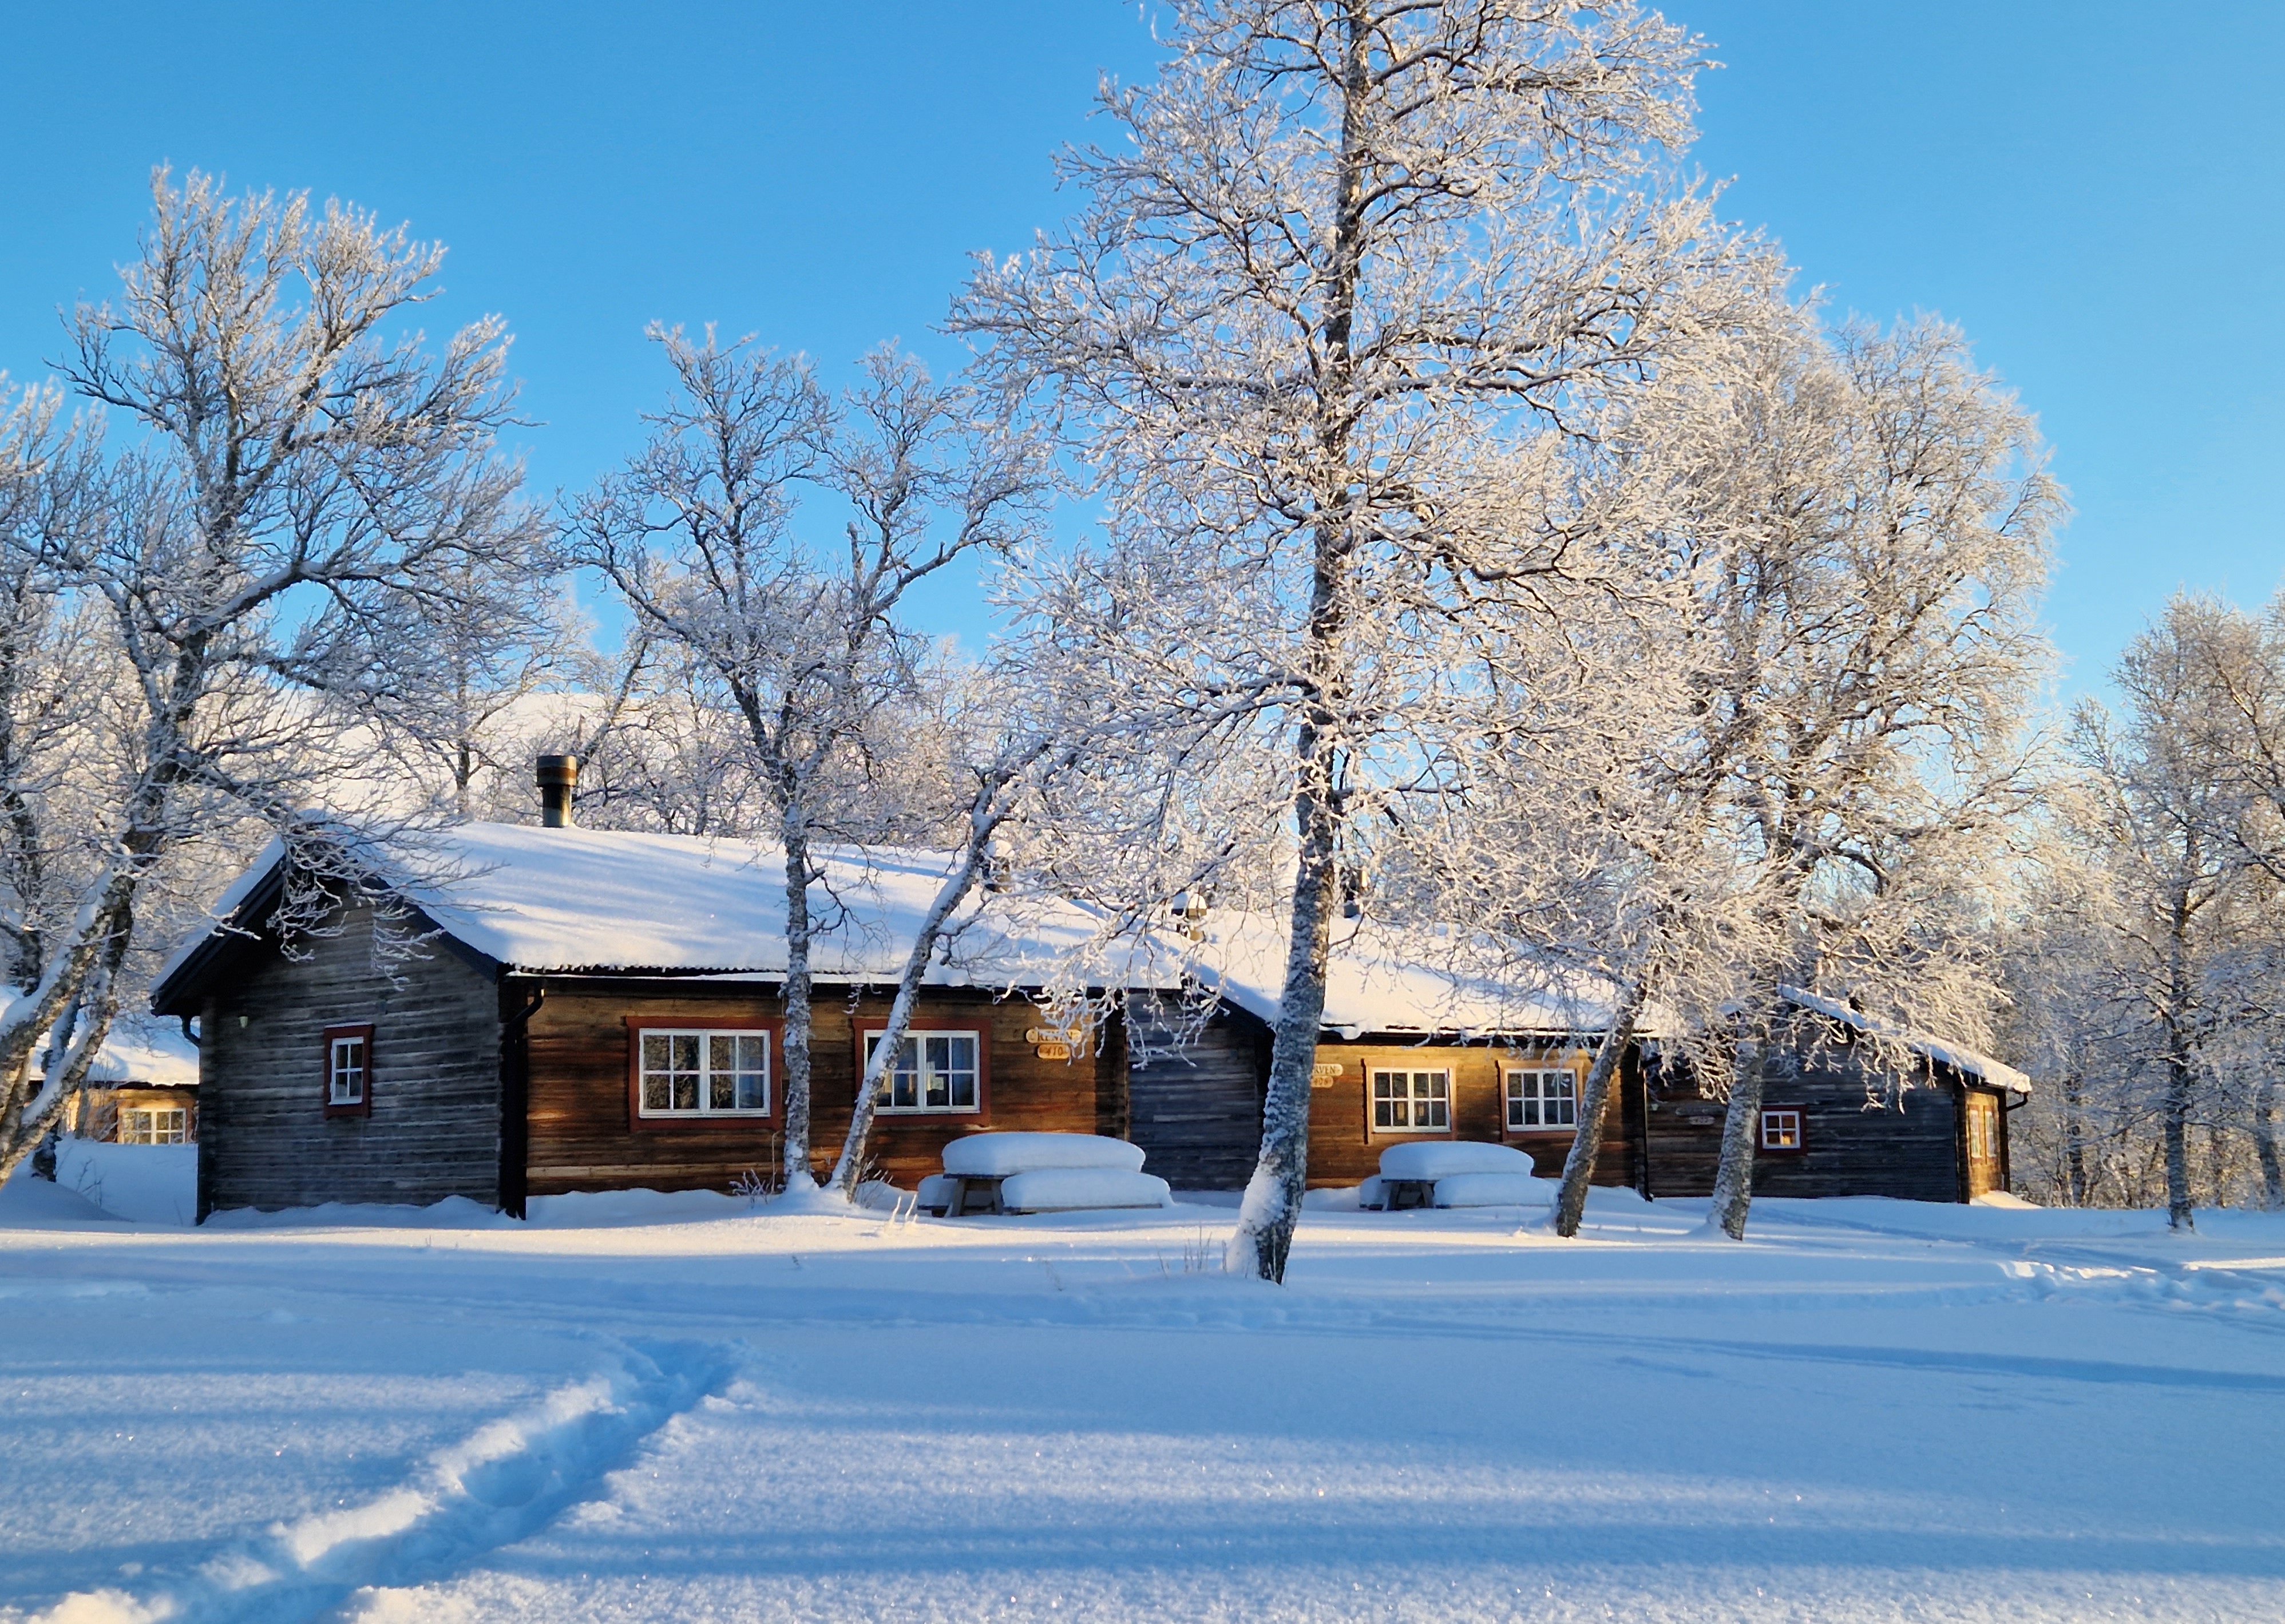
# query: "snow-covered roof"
{"points": [[573, 899], [141, 1050], [1387, 978], [1997, 1073], [136, 1049]]}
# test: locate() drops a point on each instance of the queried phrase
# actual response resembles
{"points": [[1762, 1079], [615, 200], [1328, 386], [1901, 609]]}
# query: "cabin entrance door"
{"points": [[1983, 1174]]}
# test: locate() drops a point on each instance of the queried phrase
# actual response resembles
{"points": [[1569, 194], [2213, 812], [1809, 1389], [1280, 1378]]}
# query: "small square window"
{"points": [[1781, 1130]]}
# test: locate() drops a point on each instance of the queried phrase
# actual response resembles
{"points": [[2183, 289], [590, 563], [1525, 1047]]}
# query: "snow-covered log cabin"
{"points": [[601, 1010], [1412, 1048]]}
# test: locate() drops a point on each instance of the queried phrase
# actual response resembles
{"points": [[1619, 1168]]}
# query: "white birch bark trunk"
{"points": [[1741, 1132], [1597, 1097], [800, 1022]]}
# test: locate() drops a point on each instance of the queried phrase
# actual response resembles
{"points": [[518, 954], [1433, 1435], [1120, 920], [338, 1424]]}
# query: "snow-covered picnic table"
{"points": [[1454, 1173], [1041, 1173]]}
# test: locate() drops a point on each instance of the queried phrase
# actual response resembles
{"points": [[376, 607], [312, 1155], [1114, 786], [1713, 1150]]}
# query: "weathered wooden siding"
{"points": [[1197, 1110], [1345, 1151], [1908, 1149], [264, 1139], [581, 1137]]}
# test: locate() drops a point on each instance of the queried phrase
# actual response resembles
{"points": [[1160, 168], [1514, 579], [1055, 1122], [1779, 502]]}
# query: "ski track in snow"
{"points": [[503, 1482], [1442, 1419]]}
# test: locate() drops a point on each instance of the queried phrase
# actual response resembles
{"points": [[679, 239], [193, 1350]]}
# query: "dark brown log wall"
{"points": [[582, 1137], [1197, 1110], [264, 1139], [1907, 1148]]}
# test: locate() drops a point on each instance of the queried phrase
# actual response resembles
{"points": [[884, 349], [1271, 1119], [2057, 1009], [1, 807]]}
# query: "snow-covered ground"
{"points": [[671, 1407]]}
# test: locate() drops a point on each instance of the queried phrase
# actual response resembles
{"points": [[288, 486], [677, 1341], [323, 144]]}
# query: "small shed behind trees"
{"points": [[142, 1089]]}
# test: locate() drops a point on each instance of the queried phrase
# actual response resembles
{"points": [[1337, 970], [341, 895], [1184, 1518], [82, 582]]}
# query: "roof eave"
{"points": [[180, 992]]}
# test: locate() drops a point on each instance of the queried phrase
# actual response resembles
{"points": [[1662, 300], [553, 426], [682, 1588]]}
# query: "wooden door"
{"points": [[1983, 1170]]}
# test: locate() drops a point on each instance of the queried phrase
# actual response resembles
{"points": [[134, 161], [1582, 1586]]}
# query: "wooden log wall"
{"points": [[578, 1118], [1198, 1108], [1907, 1148], [264, 1139], [1343, 1150]]}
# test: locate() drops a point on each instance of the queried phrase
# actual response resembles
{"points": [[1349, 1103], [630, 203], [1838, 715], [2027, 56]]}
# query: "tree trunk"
{"points": [[990, 809], [1272, 1206], [2265, 1143], [849, 1171], [2178, 1077], [2074, 1136], [799, 1022], [1272, 1197], [1596, 1100], [2180, 1072], [1741, 1133], [89, 1013]]}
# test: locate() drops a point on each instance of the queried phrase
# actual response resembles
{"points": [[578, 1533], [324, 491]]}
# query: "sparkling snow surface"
{"points": [[677, 1407]]}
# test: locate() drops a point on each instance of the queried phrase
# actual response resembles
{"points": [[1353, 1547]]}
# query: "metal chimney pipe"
{"points": [[558, 776]]}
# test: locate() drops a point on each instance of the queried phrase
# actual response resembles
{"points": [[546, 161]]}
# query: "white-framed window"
{"points": [[934, 1071], [1541, 1098], [1781, 1130], [704, 1072], [348, 1067], [1411, 1101], [154, 1124]]}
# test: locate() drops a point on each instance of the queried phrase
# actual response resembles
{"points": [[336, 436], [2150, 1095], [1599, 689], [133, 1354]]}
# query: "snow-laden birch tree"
{"points": [[1790, 757], [1354, 269], [2177, 823], [704, 536], [453, 696], [285, 476], [1879, 523]]}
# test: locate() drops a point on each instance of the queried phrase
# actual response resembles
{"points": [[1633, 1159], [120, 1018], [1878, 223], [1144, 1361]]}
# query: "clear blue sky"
{"points": [[2094, 189]]}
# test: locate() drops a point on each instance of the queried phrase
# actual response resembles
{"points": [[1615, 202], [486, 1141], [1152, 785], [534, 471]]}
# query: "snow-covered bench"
{"points": [[1454, 1173], [1041, 1173]]}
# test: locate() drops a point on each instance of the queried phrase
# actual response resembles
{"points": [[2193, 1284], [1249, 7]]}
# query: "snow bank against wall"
{"points": [[144, 1184]]}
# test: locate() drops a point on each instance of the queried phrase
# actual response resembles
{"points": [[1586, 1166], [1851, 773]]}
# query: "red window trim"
{"points": [[981, 1025], [1761, 1147], [364, 1107], [639, 1122]]}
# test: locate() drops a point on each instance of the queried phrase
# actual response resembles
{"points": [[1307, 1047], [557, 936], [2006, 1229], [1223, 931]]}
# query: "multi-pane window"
{"points": [[704, 1073], [348, 1062], [934, 1070], [1780, 1130], [1542, 1098], [159, 1124], [1983, 1123], [1412, 1101]]}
